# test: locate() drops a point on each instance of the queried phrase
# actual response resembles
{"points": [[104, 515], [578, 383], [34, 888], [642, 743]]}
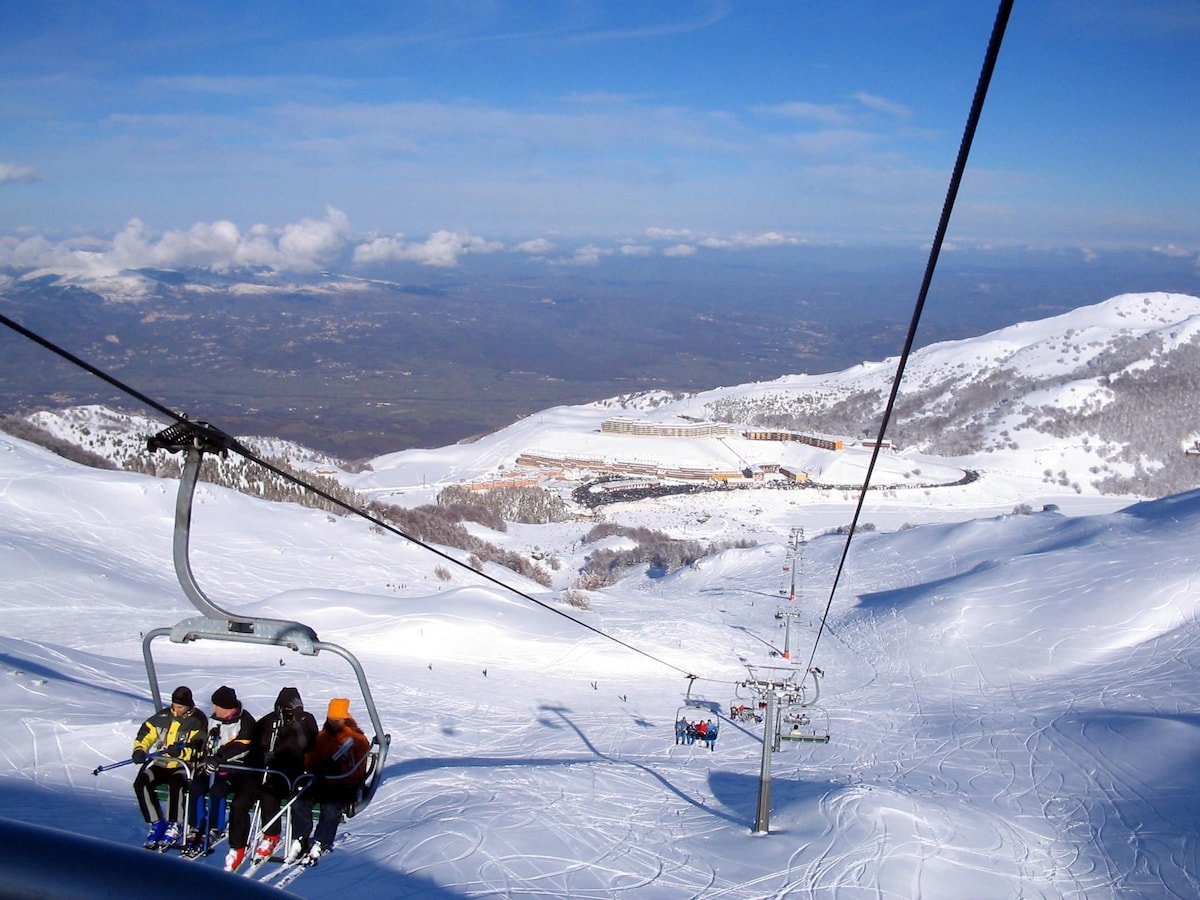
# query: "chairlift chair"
{"points": [[194, 439], [694, 708], [747, 710], [801, 720], [803, 723]]}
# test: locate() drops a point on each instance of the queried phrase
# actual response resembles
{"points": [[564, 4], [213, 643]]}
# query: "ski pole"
{"points": [[208, 817], [130, 762], [287, 806]]}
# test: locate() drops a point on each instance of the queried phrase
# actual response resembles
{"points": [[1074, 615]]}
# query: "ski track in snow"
{"points": [[1011, 704]]}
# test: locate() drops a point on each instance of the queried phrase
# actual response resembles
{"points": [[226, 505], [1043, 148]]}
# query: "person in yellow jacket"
{"points": [[179, 730]]}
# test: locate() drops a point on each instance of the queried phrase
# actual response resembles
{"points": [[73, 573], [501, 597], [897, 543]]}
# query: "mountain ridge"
{"points": [[1099, 399]]}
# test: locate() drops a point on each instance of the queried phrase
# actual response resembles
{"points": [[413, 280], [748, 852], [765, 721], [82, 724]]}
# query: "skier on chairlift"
{"points": [[228, 743], [681, 730], [338, 764], [278, 743], [179, 730]]}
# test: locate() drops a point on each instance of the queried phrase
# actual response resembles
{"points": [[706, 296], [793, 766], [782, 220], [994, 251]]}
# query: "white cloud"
{"points": [[220, 246], [746, 241], [537, 247], [680, 250], [668, 234], [309, 242], [303, 246], [883, 105], [10, 173], [442, 249], [810, 112], [587, 255], [1172, 251], [636, 250]]}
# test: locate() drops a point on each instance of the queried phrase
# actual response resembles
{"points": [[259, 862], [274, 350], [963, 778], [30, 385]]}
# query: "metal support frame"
{"points": [[215, 623], [775, 691], [795, 557]]}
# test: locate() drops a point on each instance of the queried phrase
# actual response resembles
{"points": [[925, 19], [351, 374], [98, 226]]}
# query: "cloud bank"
{"points": [[312, 245]]}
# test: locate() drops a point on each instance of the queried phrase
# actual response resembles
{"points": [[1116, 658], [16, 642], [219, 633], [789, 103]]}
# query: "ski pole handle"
{"points": [[124, 762], [130, 762]]}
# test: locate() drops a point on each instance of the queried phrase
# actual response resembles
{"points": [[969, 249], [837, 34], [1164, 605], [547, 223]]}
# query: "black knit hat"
{"points": [[225, 697], [182, 695]]}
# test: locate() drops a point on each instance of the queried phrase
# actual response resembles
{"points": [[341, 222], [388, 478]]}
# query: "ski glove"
{"points": [[139, 756]]}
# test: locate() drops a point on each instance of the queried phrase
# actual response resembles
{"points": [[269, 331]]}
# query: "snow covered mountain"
{"points": [[1010, 697], [138, 285], [1100, 400]]}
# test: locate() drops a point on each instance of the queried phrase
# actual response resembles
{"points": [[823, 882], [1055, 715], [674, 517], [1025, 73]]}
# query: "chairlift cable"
{"points": [[220, 438], [960, 165]]}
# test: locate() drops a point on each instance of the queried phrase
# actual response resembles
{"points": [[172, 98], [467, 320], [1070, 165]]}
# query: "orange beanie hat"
{"points": [[339, 708]]}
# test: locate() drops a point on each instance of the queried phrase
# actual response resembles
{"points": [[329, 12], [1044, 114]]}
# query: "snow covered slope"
{"points": [[1012, 697]]}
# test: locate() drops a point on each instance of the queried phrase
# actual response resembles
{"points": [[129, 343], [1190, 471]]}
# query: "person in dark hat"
{"points": [[278, 744], [228, 745], [167, 745]]}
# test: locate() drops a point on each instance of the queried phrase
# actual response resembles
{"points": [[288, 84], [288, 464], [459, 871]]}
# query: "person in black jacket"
{"points": [[278, 744], [228, 743]]}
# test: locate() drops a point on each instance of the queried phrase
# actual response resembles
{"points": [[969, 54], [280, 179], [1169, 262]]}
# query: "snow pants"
{"points": [[327, 825], [249, 793], [208, 800], [151, 776]]}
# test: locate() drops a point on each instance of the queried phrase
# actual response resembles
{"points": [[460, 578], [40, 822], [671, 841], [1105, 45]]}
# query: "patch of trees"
{"points": [[660, 552], [126, 450], [248, 477], [1136, 424], [435, 524], [25, 430], [526, 505]]}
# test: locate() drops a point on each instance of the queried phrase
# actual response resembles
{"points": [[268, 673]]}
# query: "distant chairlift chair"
{"points": [[802, 720]]}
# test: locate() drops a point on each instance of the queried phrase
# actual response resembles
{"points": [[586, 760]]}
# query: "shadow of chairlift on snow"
{"points": [[194, 439]]}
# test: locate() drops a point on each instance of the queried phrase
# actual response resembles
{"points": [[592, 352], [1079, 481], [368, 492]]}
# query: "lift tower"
{"points": [[780, 688]]}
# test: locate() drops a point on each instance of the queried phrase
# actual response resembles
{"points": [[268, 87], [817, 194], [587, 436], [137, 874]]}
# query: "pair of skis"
{"points": [[291, 869], [253, 865]]}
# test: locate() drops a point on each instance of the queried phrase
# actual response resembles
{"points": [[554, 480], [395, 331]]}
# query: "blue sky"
{"points": [[286, 133]]}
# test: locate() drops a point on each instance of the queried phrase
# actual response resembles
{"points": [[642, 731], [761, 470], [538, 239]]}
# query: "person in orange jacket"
{"points": [[338, 764]]}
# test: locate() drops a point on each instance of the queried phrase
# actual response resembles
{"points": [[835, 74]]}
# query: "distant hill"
{"points": [[1105, 395], [1098, 400]]}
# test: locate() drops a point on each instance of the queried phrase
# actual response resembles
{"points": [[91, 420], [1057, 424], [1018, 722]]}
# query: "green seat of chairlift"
{"points": [[804, 737]]}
